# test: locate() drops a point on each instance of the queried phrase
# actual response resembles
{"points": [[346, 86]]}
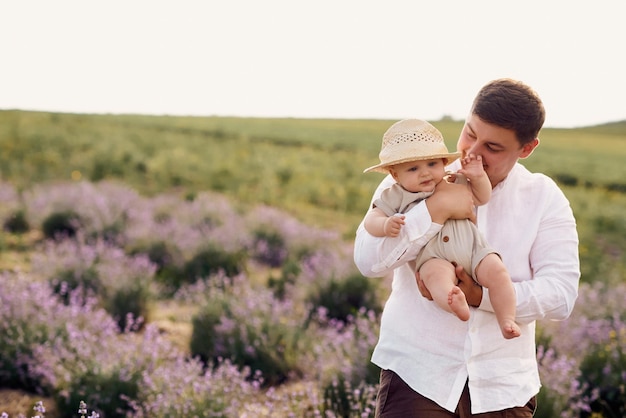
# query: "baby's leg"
{"points": [[493, 275], [440, 280]]}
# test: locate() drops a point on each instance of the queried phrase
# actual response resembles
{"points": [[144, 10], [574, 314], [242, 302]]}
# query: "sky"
{"points": [[385, 59]]}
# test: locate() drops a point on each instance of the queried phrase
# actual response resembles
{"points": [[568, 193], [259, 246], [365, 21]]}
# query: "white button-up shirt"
{"points": [[530, 223]]}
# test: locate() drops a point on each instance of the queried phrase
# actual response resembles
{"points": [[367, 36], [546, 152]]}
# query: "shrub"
{"points": [[12, 215], [16, 223], [342, 399], [109, 392], [185, 388], [278, 237], [61, 224], [251, 328], [122, 284], [616, 187], [164, 255], [84, 280], [100, 210], [584, 362], [603, 371], [269, 247], [93, 363], [288, 277], [75, 352], [189, 239], [302, 399], [347, 378], [562, 394], [167, 259], [131, 300], [31, 316], [140, 376], [566, 179], [212, 260], [342, 298]]}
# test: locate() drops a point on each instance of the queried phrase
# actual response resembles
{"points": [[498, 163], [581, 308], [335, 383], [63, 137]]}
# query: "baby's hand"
{"points": [[393, 224], [472, 166]]}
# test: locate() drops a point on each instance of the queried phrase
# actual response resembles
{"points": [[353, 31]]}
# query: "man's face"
{"points": [[498, 147]]}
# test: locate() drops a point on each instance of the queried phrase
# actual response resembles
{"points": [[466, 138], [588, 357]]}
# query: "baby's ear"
{"points": [[450, 177]]}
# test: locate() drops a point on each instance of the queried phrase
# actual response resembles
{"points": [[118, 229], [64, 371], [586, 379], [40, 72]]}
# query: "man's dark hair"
{"points": [[512, 105]]}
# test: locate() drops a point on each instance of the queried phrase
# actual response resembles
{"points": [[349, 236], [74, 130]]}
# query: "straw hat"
{"points": [[411, 140]]}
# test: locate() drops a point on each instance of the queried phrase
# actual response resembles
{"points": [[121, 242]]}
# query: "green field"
{"points": [[311, 168], [144, 188], [299, 160]]}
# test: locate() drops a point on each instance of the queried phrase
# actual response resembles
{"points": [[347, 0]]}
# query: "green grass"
{"points": [[311, 168], [592, 156]]}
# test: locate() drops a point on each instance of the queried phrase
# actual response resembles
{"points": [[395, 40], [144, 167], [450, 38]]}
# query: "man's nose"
{"points": [[473, 149]]}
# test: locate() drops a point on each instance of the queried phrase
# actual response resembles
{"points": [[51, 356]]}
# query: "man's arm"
{"points": [[378, 256], [552, 292], [553, 288], [473, 291]]}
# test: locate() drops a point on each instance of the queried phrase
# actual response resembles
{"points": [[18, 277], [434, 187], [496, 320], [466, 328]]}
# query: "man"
{"points": [[434, 365]]}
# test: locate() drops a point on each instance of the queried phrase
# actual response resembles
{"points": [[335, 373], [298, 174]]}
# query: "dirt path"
{"points": [[15, 402]]}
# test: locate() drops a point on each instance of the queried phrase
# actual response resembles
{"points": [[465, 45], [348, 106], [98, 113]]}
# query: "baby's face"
{"points": [[419, 176]]}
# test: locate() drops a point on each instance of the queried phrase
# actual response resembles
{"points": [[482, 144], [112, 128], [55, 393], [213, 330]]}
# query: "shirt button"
{"points": [[446, 238]]}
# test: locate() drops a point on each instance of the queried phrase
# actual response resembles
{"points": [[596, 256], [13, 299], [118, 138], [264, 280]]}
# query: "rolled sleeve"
{"points": [[378, 256]]}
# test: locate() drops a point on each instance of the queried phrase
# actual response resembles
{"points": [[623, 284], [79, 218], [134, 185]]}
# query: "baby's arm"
{"points": [[378, 224], [472, 168]]}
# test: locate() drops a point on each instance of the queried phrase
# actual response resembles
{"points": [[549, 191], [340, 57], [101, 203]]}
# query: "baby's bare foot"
{"points": [[510, 329], [458, 303]]}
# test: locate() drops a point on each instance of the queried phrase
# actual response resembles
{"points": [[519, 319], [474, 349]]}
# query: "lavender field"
{"points": [[287, 332], [212, 299], [77, 317]]}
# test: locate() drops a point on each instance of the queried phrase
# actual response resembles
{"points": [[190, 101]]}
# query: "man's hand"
{"points": [[451, 201], [473, 291], [422, 287]]}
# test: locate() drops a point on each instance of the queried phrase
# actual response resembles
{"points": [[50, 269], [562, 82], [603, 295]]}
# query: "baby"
{"points": [[414, 153]]}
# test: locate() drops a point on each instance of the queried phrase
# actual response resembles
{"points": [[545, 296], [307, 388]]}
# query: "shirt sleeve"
{"points": [[378, 256], [554, 264]]}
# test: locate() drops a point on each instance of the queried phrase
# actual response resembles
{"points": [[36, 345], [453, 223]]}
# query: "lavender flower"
{"points": [[103, 207], [40, 409]]}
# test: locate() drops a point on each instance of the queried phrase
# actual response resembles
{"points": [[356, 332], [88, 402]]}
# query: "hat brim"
{"points": [[384, 167]]}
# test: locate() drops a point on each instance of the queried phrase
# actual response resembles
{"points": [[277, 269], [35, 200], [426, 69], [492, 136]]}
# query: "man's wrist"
{"points": [[476, 297]]}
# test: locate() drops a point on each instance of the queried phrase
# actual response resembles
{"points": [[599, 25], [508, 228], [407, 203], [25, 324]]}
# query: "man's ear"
{"points": [[528, 148]]}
